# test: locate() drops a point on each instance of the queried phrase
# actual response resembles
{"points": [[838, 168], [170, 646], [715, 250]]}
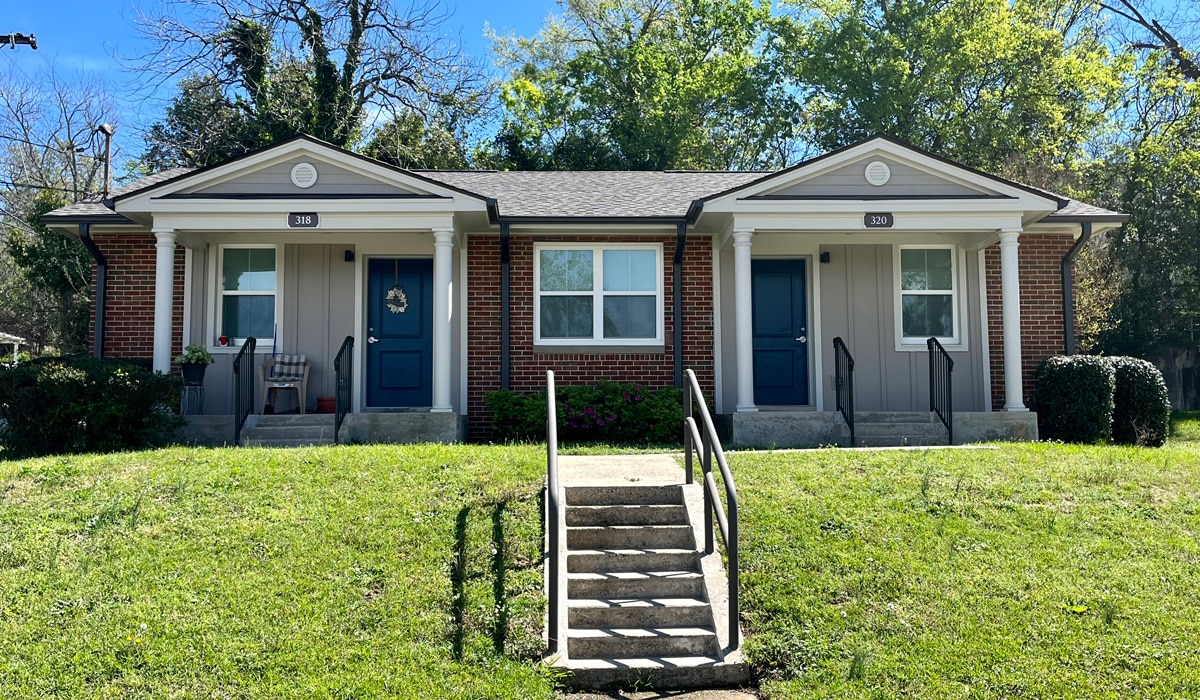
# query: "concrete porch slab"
{"points": [[362, 428], [803, 429]]}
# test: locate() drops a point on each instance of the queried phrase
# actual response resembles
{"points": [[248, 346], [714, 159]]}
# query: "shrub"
{"points": [[606, 412], [60, 405], [1075, 398], [1141, 407]]}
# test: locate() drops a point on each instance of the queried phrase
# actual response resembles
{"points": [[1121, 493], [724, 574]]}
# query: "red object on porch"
{"points": [[325, 404]]}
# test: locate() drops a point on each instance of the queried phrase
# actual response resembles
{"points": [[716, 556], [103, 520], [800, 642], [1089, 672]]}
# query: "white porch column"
{"points": [[443, 249], [164, 288], [1010, 289], [743, 320]]}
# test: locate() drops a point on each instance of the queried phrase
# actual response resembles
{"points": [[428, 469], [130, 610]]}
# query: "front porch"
{"points": [[801, 429], [317, 429]]}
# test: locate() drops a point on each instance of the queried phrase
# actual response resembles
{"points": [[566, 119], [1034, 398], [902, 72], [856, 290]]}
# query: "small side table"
{"points": [[191, 400]]}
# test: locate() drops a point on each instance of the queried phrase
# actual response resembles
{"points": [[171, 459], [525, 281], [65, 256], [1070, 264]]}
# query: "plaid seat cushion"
{"points": [[288, 368]]}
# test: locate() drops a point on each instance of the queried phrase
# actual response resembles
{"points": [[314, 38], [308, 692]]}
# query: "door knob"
{"points": [[372, 339], [803, 339]]}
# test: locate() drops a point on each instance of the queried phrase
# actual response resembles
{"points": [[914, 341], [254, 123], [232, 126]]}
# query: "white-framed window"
{"points": [[927, 291], [598, 294], [247, 283]]}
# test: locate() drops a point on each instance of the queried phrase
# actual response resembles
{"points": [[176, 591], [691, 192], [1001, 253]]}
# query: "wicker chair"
{"points": [[284, 372]]}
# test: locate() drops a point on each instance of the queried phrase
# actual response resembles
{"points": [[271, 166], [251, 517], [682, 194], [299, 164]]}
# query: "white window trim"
{"points": [[598, 339], [956, 342], [216, 293]]}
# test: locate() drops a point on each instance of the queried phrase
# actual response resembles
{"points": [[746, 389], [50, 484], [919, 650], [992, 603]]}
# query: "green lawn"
{"points": [[356, 572]]}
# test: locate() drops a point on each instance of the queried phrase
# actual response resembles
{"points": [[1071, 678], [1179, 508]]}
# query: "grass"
{"points": [[385, 571], [1026, 571], [338, 573]]}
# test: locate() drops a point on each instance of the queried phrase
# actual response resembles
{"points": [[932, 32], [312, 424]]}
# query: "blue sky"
{"points": [[83, 36]]}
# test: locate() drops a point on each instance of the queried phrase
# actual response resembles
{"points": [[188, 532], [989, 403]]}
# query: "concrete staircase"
{"points": [[898, 429], [644, 605], [288, 430]]}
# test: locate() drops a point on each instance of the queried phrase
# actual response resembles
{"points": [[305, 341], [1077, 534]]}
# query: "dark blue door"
{"points": [[399, 332], [780, 332]]}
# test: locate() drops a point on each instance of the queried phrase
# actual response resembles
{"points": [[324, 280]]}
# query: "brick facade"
{"points": [[528, 368], [129, 310], [1040, 258]]}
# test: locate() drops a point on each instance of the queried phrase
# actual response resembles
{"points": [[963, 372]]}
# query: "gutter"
{"points": [[85, 235], [677, 301], [505, 291], [1068, 291]]}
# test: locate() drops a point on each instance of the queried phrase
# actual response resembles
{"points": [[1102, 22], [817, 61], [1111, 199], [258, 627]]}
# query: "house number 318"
{"points": [[305, 220]]}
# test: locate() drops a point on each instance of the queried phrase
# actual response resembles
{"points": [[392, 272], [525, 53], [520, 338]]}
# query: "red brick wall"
{"points": [[129, 311], [1040, 258], [528, 369]]}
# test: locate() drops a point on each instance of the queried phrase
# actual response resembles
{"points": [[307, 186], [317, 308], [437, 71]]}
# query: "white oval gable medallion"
{"points": [[304, 175], [878, 173]]}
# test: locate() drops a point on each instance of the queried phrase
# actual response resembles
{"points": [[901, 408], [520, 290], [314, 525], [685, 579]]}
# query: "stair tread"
{"points": [[637, 632], [653, 602], [629, 528], [651, 662], [634, 575], [632, 550]]}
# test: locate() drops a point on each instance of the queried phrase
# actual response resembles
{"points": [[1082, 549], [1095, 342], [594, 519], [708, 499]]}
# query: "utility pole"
{"points": [[11, 40]]}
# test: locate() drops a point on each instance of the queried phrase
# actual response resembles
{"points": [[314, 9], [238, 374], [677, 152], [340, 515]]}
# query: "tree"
{"points": [[51, 156], [264, 70], [643, 84], [1014, 87]]}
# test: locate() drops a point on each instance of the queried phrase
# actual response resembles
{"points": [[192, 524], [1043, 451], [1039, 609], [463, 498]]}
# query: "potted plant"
{"points": [[192, 362]]}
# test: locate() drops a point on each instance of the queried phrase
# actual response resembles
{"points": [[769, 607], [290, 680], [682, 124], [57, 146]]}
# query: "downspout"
{"points": [[1068, 290], [677, 300], [85, 235], [504, 303]]}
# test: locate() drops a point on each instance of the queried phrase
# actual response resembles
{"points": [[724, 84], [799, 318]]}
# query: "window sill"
{"points": [[902, 346], [591, 349]]}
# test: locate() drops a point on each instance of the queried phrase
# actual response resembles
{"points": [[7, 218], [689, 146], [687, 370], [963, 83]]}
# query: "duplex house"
{"points": [[453, 284]]}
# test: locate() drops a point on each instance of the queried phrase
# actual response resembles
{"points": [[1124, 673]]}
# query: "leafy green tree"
{"points": [[644, 85], [1015, 87]]}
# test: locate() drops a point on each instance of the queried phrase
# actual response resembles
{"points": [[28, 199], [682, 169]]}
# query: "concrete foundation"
{"points": [[789, 429], [396, 428]]}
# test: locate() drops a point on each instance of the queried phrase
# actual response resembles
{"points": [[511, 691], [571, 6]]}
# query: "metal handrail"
{"points": [[553, 514], [706, 445], [343, 367], [843, 382], [243, 387], [941, 396]]}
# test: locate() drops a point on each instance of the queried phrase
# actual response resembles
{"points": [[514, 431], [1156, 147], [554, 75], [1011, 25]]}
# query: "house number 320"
{"points": [[879, 220]]}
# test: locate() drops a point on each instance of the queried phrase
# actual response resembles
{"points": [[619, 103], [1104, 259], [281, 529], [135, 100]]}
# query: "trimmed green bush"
{"points": [[1141, 407], [1075, 398], [617, 413], [62, 405]]}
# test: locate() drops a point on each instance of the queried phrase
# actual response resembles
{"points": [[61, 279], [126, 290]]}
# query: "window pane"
{"points": [[566, 317], [630, 271], [913, 273], [566, 270], [248, 316], [629, 317], [248, 269], [941, 272], [928, 315]]}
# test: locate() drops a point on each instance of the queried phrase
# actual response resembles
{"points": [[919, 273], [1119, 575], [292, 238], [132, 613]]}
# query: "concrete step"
{"points": [[285, 442], [669, 514], [638, 612], [633, 559], [640, 642], [900, 441], [662, 672], [290, 419], [892, 417], [893, 429], [631, 584], [630, 536], [624, 495]]}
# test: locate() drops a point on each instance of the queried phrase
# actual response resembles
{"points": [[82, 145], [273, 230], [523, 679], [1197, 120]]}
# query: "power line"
{"points": [[77, 149], [31, 186]]}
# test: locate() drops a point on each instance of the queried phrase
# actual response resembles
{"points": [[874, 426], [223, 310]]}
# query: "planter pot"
{"points": [[326, 404], [193, 373]]}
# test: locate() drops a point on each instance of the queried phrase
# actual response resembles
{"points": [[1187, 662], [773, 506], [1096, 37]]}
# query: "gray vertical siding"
{"points": [[857, 303]]}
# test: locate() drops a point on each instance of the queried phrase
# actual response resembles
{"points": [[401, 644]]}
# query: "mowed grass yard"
{"points": [[372, 571]]}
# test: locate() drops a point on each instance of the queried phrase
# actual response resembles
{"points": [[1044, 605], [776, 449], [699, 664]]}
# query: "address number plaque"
{"points": [[879, 220], [303, 220]]}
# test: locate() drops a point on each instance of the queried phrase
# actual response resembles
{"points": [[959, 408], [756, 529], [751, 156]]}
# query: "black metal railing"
{"points": [[554, 516], [343, 368], [941, 396], [243, 387], [843, 383], [705, 444]]}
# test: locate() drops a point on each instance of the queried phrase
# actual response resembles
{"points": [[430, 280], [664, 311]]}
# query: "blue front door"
{"points": [[399, 333], [780, 332]]}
